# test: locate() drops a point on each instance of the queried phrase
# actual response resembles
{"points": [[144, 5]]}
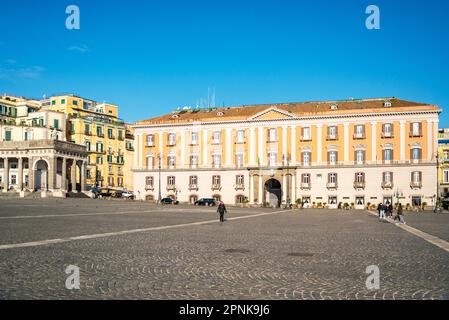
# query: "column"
{"points": [[284, 143], [161, 146], [51, 174], [73, 176], [293, 189], [252, 146], [293, 145], [373, 141], [31, 174], [251, 189], [183, 143], [346, 142], [260, 197], [319, 143], [5, 174], [260, 138], [136, 154], [228, 146], [64, 174], [284, 188], [402, 140], [20, 175], [205, 152], [83, 176]]}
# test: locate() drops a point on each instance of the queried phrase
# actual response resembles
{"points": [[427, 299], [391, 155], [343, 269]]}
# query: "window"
{"points": [[305, 178], [415, 129], [75, 103], [332, 133], [150, 140], [387, 130], [415, 154], [62, 101], [171, 139], [360, 178], [99, 160], [56, 123], [88, 174], [387, 179], [332, 157], [194, 138], [13, 179], [193, 181], [239, 199], [416, 179], [7, 135], [100, 131], [272, 159], [110, 170], [360, 156], [110, 181], [306, 134], [149, 181], [416, 201], [99, 147], [26, 136], [120, 135], [306, 158], [239, 159], [110, 133], [216, 180], [150, 162], [332, 180], [240, 136], [109, 158], [239, 180], [445, 176], [272, 135], [87, 129], [171, 180], [216, 137], [171, 161], [332, 201], [216, 158], [359, 132], [387, 155], [194, 160], [53, 102]]}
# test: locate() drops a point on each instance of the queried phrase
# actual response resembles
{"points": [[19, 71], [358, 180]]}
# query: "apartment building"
{"points": [[331, 152]]}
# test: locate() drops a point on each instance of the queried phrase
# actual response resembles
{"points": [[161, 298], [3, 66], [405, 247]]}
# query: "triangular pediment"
{"points": [[272, 114]]}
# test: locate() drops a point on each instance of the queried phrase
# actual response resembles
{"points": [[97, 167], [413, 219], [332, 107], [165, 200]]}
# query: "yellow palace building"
{"points": [[331, 152], [98, 127]]}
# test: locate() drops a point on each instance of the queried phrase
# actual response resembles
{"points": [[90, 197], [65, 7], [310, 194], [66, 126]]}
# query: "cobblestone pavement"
{"points": [[300, 254], [436, 224]]}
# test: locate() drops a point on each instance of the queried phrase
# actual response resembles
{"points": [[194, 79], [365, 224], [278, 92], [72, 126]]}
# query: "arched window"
{"points": [[240, 199]]}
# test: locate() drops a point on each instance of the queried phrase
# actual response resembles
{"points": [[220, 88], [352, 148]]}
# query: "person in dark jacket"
{"points": [[400, 216], [221, 210]]}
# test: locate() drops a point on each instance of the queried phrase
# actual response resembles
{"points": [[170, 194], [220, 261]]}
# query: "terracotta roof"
{"points": [[297, 109]]}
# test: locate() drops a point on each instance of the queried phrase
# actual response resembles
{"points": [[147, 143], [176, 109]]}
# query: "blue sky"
{"points": [[151, 57]]}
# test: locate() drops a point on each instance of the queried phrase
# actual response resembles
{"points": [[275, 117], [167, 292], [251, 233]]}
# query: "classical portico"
{"points": [[50, 166]]}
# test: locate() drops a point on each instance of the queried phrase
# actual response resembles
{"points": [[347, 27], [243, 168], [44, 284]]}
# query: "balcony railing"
{"points": [[100, 134], [332, 185], [332, 137], [387, 135], [305, 185], [171, 187], [415, 134], [239, 187], [359, 184], [149, 144], [415, 184], [216, 187], [193, 187], [387, 185], [306, 138], [149, 187], [359, 136]]}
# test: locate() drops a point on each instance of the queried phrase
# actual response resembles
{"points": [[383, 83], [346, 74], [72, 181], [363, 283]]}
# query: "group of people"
{"points": [[386, 211]]}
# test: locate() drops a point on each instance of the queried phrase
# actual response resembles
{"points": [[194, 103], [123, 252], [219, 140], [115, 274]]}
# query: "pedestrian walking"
{"points": [[382, 211], [378, 209], [400, 215], [390, 210], [221, 210]]}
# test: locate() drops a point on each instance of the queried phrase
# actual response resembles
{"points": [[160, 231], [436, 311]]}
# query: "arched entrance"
{"points": [[273, 191], [41, 175]]}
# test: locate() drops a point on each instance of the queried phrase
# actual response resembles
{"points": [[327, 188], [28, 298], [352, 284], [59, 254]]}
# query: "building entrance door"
{"points": [[274, 193]]}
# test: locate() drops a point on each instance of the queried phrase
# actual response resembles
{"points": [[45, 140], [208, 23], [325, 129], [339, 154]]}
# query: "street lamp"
{"points": [[398, 194]]}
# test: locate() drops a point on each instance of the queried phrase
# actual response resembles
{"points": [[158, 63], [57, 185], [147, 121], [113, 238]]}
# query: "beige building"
{"points": [[330, 153]]}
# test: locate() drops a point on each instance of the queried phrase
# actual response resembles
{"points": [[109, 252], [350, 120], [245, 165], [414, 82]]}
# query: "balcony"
{"points": [[331, 137], [149, 187], [100, 134], [387, 185], [239, 187], [171, 144], [359, 184], [387, 135], [111, 136], [171, 187], [240, 141], [359, 136], [331, 185], [306, 138], [193, 187], [130, 148], [416, 184], [305, 186], [216, 186], [149, 144], [415, 134], [87, 133], [194, 143]]}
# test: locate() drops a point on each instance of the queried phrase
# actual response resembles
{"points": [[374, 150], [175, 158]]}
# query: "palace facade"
{"points": [[332, 152]]}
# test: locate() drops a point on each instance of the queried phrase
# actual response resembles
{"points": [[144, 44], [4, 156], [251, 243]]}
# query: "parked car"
{"points": [[128, 195], [169, 201], [105, 193], [117, 194], [205, 202]]}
